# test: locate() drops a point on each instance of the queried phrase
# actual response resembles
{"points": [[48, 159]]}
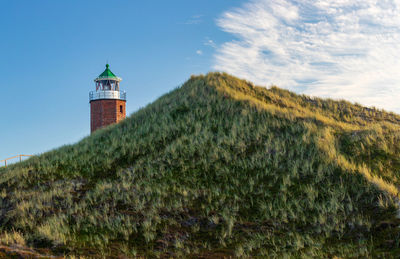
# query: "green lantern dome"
{"points": [[107, 74]]}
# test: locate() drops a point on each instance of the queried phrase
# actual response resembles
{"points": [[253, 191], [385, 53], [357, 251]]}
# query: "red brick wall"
{"points": [[106, 112]]}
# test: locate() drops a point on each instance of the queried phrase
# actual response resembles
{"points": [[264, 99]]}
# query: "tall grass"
{"points": [[216, 167]]}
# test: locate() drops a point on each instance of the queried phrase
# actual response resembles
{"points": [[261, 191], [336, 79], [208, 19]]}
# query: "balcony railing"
{"points": [[97, 95]]}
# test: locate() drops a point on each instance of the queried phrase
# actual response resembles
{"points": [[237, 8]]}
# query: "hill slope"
{"points": [[217, 167]]}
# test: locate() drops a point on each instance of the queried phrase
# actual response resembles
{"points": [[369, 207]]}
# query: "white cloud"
{"points": [[340, 49], [199, 52], [210, 43], [195, 19]]}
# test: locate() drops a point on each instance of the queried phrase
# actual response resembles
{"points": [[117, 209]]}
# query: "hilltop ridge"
{"points": [[217, 167]]}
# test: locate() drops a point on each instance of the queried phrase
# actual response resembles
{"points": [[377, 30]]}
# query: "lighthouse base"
{"points": [[105, 112]]}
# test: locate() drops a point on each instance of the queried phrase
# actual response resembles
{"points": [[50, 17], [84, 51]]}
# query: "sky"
{"points": [[51, 51]]}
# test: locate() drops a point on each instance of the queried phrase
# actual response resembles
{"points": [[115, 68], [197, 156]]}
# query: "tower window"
{"points": [[120, 109]]}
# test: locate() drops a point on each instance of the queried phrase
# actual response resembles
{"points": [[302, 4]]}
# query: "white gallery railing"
{"points": [[108, 94]]}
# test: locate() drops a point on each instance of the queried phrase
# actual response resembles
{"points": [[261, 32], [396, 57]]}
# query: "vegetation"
{"points": [[217, 167]]}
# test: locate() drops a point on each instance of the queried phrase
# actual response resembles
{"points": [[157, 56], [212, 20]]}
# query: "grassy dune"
{"points": [[217, 167]]}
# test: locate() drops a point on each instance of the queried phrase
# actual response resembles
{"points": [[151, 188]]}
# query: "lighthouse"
{"points": [[108, 102]]}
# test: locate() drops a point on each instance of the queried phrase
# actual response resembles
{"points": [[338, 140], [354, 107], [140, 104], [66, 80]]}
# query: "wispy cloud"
{"points": [[195, 19], [199, 52], [340, 49], [210, 43]]}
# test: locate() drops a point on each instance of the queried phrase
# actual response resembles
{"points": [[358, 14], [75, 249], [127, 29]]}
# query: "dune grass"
{"points": [[217, 167]]}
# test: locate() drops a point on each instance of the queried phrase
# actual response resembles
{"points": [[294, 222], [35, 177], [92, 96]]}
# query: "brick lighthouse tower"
{"points": [[107, 103]]}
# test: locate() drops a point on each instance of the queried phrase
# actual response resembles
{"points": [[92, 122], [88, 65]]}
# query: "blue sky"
{"points": [[50, 52]]}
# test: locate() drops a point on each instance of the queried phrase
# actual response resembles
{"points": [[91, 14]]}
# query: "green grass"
{"points": [[217, 167]]}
